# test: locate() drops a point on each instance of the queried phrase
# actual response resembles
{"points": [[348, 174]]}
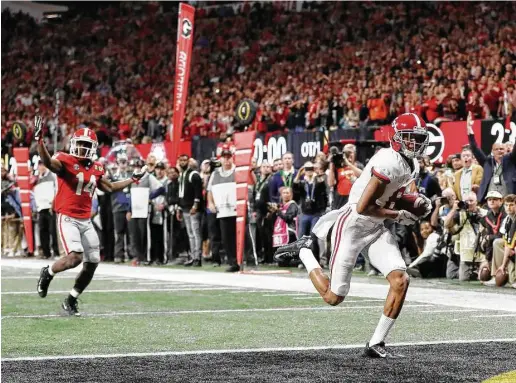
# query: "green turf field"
{"points": [[129, 315]]}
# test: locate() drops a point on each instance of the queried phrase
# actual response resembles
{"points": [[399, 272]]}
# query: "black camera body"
{"points": [[463, 205], [337, 157], [214, 164]]}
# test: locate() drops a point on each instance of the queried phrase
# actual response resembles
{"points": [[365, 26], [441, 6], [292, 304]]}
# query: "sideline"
{"points": [[455, 298]]}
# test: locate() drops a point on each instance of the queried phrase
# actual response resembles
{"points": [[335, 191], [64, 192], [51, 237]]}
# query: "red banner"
{"points": [[185, 29], [243, 154]]}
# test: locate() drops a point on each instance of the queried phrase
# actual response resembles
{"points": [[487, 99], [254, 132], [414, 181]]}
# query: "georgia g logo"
{"points": [[436, 143], [186, 28]]}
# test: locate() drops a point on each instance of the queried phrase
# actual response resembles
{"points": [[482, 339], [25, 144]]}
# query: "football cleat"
{"points": [[291, 251], [70, 306], [44, 281], [379, 351]]}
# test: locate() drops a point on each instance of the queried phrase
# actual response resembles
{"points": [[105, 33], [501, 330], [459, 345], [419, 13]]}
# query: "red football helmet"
{"points": [[410, 135], [84, 144]]}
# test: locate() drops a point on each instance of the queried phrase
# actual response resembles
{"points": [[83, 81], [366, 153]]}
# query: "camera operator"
{"points": [[503, 249], [464, 220], [492, 224], [343, 173]]}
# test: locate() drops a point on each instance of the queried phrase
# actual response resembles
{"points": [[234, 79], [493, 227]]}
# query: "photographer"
{"points": [[503, 248], [492, 224], [464, 220], [312, 197], [343, 173]]}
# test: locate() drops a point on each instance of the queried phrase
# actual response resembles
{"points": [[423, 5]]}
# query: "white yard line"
{"points": [[287, 295], [446, 297], [111, 279], [345, 300], [121, 290], [449, 311], [222, 311], [484, 316], [249, 350]]}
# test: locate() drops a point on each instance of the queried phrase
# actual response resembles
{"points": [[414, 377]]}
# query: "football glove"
{"points": [[38, 128], [138, 175], [405, 217]]}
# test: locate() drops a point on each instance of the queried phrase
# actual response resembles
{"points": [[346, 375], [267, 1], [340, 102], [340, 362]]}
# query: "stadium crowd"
{"points": [[330, 65], [306, 72]]}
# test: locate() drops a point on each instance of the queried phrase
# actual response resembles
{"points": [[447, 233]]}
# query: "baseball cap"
{"points": [[160, 165], [494, 194]]}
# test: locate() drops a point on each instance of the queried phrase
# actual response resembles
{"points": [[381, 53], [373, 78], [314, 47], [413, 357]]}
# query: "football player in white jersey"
{"points": [[359, 226]]}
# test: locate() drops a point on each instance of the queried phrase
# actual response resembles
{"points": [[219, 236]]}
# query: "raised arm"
{"points": [[477, 152], [53, 164]]}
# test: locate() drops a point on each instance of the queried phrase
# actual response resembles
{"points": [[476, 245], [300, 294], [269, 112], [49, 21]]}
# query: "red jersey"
{"points": [[76, 185]]}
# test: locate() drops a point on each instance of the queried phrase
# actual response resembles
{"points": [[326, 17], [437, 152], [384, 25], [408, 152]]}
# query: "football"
{"points": [[501, 279], [413, 203], [485, 274]]}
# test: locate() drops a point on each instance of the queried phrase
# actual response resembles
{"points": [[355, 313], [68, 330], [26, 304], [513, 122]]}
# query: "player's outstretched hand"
{"points": [[38, 127], [406, 217], [137, 175]]}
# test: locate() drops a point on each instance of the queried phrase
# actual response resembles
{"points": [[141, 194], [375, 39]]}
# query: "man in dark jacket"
{"points": [[191, 206], [492, 223], [264, 224], [499, 168]]}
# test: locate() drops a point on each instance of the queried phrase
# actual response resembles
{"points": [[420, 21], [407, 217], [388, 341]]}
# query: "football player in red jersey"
{"points": [[78, 177]]}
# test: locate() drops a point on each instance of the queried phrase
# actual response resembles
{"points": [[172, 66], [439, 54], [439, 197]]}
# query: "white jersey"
{"points": [[390, 166]]}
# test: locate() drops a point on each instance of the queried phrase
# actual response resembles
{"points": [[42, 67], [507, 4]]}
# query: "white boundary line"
{"points": [[122, 290], [485, 316], [464, 299], [222, 311], [249, 350]]}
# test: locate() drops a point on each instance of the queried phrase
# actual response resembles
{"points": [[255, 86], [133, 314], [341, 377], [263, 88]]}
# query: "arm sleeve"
{"points": [[382, 174], [477, 152], [197, 187], [156, 193]]}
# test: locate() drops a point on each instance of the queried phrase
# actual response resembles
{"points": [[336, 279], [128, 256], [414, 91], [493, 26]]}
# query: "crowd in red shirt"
{"points": [[330, 65]]}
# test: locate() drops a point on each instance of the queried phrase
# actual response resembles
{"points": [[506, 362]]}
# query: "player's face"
{"points": [[83, 148]]}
